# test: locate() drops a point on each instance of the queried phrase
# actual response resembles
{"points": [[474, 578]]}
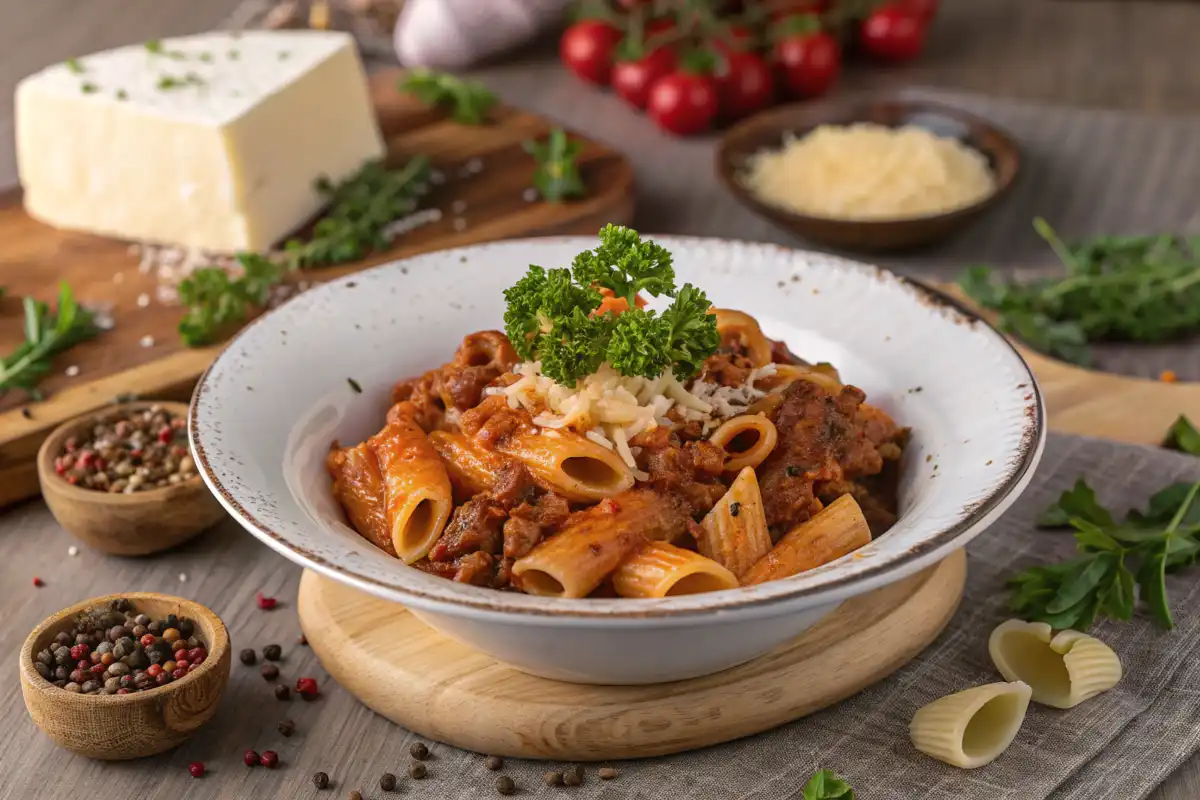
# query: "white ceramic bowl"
{"points": [[264, 413]]}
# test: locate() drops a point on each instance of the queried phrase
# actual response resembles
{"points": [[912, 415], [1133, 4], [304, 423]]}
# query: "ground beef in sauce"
{"points": [[480, 360], [691, 470], [531, 522], [726, 369]]}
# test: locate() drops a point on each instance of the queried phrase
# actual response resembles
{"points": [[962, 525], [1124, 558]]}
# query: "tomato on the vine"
{"points": [[893, 33], [807, 59], [733, 38], [745, 84], [587, 49], [633, 77], [683, 102]]}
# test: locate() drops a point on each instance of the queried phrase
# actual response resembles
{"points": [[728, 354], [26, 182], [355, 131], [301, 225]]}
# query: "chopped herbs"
{"points": [[1116, 288], [89, 88], [234, 55], [1115, 559], [826, 785], [46, 335], [154, 46], [355, 385], [361, 209], [562, 318], [557, 173], [283, 55], [467, 101], [206, 57], [1183, 436], [169, 82], [216, 302], [74, 66], [122, 95]]}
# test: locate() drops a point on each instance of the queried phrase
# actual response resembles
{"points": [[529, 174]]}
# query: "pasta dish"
{"points": [[596, 448]]}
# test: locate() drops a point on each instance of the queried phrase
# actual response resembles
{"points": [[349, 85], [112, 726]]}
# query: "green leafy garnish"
{"points": [[826, 785], [122, 94], [1116, 288], [168, 82], [1115, 558], [361, 208], [1183, 436], [74, 66], [46, 335], [216, 302], [88, 88], [556, 176], [154, 46], [551, 314], [467, 101]]}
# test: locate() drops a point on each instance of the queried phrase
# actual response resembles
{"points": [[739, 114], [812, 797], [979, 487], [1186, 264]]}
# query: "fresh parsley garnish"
{"points": [[554, 315], [122, 94], [1116, 288], [826, 785], [1183, 436], [74, 66], [89, 88], [467, 101], [355, 385], [154, 46], [1116, 559], [216, 301], [556, 175], [168, 82], [46, 335], [361, 208]]}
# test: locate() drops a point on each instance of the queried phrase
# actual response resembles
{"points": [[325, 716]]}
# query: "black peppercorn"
{"points": [[272, 652], [156, 656], [505, 785], [282, 692], [735, 509], [419, 751], [552, 779], [387, 782], [494, 763], [62, 637], [270, 672], [416, 770], [286, 727], [155, 627], [354, 795], [320, 780], [248, 656], [61, 673], [186, 628], [43, 670], [573, 776]]}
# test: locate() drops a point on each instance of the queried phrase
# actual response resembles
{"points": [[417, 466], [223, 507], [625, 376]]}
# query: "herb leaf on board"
{"points": [[216, 302], [467, 101], [826, 785], [556, 176], [47, 334]]}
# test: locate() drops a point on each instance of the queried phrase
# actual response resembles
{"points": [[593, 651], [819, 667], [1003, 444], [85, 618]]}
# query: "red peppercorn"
{"points": [[148, 640], [264, 602], [83, 663], [269, 759], [100, 465], [196, 768], [182, 662], [80, 652], [195, 654], [122, 690], [166, 434], [85, 460], [97, 669], [60, 467], [179, 451], [180, 672], [154, 670], [38, 582], [250, 759], [163, 679], [136, 454], [308, 689], [72, 479]]}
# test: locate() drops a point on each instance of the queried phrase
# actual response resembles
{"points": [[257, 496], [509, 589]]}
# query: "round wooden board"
{"points": [[446, 691]]}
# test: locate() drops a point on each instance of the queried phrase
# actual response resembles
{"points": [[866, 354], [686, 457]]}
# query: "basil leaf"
{"points": [[1078, 501], [1119, 598], [826, 785], [1183, 436], [1094, 537], [1163, 505], [1082, 582]]}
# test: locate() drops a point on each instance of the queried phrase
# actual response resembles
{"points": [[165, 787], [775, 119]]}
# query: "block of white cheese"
{"points": [[211, 141]]}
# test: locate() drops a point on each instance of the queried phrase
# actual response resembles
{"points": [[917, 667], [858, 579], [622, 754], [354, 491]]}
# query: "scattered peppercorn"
{"points": [[38, 582], [793, 472], [264, 602], [607, 773], [127, 452], [494, 763], [573, 776], [553, 779], [269, 759], [308, 689], [269, 672], [387, 781], [505, 785], [196, 768], [272, 652], [248, 657], [354, 795], [416, 770], [419, 751], [250, 758], [282, 692], [286, 727], [303, 640], [320, 779], [735, 509]]}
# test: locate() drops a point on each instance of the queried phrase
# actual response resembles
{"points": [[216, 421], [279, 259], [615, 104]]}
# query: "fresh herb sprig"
{"points": [[361, 208], [1115, 559], [47, 334], [556, 176], [1183, 436], [555, 315], [1116, 288], [826, 785], [216, 301], [467, 101]]}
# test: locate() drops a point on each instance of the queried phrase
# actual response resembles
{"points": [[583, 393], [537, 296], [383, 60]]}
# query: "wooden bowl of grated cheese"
{"points": [[868, 175]]}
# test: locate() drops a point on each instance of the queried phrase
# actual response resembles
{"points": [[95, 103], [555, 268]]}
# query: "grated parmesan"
{"points": [[867, 171]]}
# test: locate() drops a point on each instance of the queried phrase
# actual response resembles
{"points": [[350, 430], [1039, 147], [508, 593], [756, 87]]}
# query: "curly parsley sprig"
{"points": [[554, 315]]}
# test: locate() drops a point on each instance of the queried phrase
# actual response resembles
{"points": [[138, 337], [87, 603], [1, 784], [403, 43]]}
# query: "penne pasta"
{"points": [[594, 542], [572, 465], [971, 728], [416, 488], [358, 487], [838, 529], [660, 569], [734, 533], [1062, 669], [746, 439], [740, 332], [471, 468]]}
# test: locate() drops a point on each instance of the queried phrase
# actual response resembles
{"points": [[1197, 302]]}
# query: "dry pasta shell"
{"points": [[973, 727], [1063, 670]]}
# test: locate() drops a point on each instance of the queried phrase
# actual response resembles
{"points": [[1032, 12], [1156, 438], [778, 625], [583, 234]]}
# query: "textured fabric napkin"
{"points": [[1119, 745]]}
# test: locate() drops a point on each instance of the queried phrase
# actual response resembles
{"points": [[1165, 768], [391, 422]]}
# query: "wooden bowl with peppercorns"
{"points": [[121, 480], [156, 713]]}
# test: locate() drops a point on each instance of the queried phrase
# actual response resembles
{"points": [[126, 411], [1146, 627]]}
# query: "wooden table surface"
{"points": [[1138, 56]]}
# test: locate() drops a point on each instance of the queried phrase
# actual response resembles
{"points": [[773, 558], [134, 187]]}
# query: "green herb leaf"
{"points": [[1078, 501], [216, 302], [1152, 584], [826, 785], [467, 101], [46, 335], [1184, 437], [556, 176], [74, 66], [88, 88]]}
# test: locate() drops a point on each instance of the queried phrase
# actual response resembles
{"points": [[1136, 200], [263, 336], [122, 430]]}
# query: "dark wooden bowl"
{"points": [[766, 130]]}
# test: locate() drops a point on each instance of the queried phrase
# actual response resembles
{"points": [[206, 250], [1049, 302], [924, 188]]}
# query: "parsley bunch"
{"points": [[46, 335], [216, 302], [551, 314], [1115, 559], [1117, 288], [468, 101]]}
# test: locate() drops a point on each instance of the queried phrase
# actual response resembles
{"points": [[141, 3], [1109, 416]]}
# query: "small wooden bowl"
{"points": [[124, 524], [766, 130], [117, 727]]}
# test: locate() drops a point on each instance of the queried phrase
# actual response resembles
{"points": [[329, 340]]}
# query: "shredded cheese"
{"points": [[867, 171]]}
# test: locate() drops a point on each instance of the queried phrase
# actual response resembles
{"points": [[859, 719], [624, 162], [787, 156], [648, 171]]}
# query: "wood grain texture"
{"points": [[134, 524], [424, 681], [135, 725]]}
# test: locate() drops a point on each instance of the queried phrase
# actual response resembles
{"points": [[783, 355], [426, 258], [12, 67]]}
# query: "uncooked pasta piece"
{"points": [[1063, 670], [973, 727]]}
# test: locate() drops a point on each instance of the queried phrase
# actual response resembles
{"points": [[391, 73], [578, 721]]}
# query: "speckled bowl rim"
{"points": [[767, 599]]}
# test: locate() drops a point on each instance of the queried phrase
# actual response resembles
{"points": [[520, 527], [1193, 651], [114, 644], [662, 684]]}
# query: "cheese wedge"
{"points": [[211, 141]]}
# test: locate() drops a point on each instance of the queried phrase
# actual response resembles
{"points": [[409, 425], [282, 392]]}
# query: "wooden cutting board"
{"points": [[490, 203]]}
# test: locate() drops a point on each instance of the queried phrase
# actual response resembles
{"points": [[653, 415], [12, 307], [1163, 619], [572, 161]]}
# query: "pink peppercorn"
{"points": [[166, 434], [148, 640], [179, 673], [154, 670], [163, 679], [308, 689], [60, 467], [38, 582], [81, 651], [196, 768], [250, 759], [269, 759], [192, 667], [182, 663], [122, 690], [97, 669], [195, 654], [264, 602], [83, 663]]}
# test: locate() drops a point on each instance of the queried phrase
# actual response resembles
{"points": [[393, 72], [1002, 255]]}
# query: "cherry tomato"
{"points": [[925, 9], [808, 60], [587, 49], [632, 78], [683, 103], [745, 84], [733, 39], [893, 33]]}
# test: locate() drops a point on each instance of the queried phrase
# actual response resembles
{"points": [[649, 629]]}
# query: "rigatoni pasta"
{"points": [[734, 533], [747, 440], [838, 529], [660, 569]]}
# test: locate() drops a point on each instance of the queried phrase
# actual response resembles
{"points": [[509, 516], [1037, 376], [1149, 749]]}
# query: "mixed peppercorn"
{"points": [[115, 650], [127, 452]]}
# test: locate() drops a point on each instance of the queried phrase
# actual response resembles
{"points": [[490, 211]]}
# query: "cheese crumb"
{"points": [[72, 371], [72, 551]]}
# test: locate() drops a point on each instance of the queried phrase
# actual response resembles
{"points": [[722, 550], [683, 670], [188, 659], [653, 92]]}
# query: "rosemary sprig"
{"points": [[556, 175], [46, 335]]}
